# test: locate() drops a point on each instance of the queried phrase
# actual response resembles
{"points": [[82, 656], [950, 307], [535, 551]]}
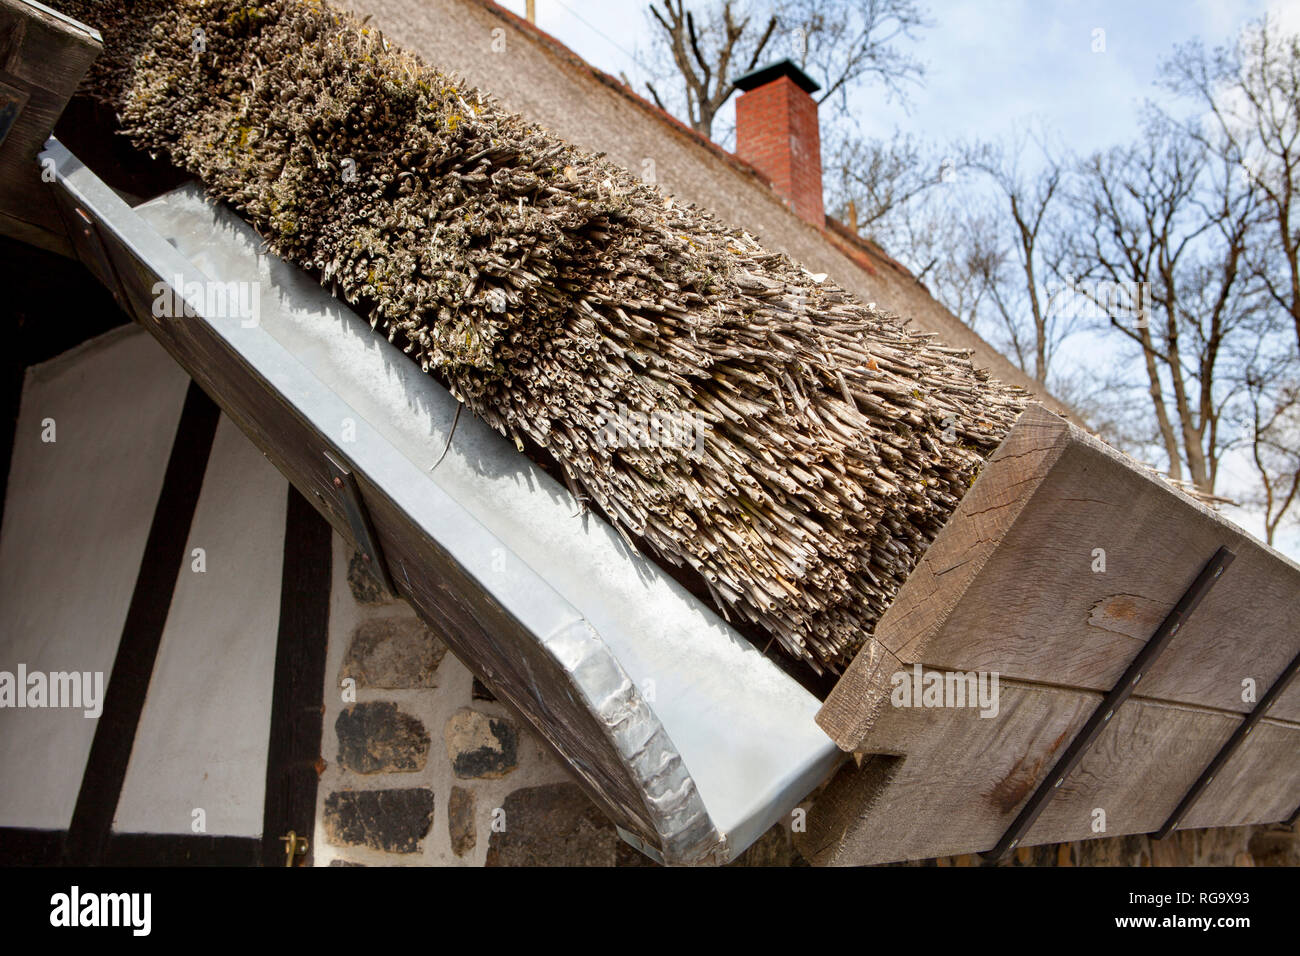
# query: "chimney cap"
{"points": [[774, 71]]}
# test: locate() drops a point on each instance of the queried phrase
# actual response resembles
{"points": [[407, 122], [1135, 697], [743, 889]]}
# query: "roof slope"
{"points": [[538, 77], [727, 410]]}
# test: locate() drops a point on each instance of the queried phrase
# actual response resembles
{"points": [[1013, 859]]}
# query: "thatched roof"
{"points": [[727, 409]]}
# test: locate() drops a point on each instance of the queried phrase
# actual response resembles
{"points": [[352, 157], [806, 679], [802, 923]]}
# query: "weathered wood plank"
{"points": [[1013, 584], [1055, 569], [1043, 614], [961, 779], [945, 572], [43, 56]]}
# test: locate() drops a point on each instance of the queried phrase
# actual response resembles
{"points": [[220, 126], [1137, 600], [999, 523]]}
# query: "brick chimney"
{"points": [[777, 133]]}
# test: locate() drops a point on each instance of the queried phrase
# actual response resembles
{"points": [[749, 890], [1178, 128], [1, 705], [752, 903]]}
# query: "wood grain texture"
{"points": [[1009, 585], [945, 572], [43, 55], [962, 778], [1041, 613], [1013, 585]]}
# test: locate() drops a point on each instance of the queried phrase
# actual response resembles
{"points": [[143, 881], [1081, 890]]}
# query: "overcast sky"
{"points": [[994, 66], [990, 63]]}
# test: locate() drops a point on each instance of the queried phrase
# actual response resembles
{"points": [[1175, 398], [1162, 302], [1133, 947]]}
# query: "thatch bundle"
{"points": [[720, 405]]}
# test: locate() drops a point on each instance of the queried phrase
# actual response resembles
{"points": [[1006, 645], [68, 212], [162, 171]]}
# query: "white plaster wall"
{"points": [[202, 741], [77, 514]]}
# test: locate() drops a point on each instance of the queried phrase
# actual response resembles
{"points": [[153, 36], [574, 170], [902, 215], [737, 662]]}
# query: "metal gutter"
{"points": [[686, 735]]}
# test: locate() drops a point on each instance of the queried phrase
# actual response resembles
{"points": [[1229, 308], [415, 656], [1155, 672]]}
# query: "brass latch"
{"points": [[294, 847]]}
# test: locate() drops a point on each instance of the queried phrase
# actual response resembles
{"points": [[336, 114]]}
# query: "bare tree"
{"points": [[970, 223], [1251, 94], [872, 181], [951, 244], [1030, 195], [1272, 438], [706, 57], [842, 42], [915, 201], [703, 49], [1170, 224]]}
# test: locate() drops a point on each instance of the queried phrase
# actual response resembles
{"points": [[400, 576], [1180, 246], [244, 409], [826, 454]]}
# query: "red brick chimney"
{"points": [[777, 133]]}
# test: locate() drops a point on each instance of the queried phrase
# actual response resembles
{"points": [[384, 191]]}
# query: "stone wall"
{"points": [[422, 766]]}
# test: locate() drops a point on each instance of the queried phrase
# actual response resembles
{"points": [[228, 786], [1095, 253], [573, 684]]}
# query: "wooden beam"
{"points": [[954, 781], [944, 574], [298, 699], [1055, 569], [137, 651], [43, 57]]}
